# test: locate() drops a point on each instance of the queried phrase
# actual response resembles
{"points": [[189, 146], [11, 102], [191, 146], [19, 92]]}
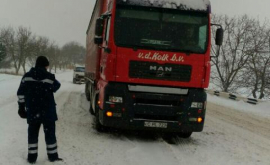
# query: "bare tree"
{"points": [[256, 74], [235, 52], [267, 90], [73, 53], [8, 37], [53, 54], [3, 53], [40, 48], [26, 45]]}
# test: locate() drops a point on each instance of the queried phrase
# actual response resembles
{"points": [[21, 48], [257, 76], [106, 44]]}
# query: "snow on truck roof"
{"points": [[199, 5]]}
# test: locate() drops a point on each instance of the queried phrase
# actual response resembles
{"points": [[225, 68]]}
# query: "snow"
{"points": [[261, 109], [7, 93], [235, 137], [184, 4]]}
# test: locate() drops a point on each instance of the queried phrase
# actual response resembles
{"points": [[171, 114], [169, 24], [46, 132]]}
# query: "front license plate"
{"points": [[155, 124]]}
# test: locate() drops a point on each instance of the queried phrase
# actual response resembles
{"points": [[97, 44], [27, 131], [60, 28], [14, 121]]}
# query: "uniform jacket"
{"points": [[36, 94]]}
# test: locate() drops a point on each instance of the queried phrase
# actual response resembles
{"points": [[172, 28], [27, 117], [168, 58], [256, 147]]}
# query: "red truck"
{"points": [[148, 63]]}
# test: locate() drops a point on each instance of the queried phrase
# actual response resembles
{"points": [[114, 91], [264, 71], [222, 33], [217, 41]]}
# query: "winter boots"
{"points": [[32, 158], [54, 157]]}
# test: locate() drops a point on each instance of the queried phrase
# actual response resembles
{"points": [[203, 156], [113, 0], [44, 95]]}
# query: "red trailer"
{"points": [[148, 63]]}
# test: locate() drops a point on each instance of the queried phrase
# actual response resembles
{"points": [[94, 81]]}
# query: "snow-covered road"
{"points": [[230, 136]]}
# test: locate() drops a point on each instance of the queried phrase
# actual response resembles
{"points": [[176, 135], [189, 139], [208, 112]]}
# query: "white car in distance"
{"points": [[79, 75]]}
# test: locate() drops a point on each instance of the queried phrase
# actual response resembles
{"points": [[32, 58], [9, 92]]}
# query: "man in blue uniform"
{"points": [[37, 104]]}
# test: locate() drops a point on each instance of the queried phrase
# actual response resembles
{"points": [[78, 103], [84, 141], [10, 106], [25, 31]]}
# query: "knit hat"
{"points": [[42, 62]]}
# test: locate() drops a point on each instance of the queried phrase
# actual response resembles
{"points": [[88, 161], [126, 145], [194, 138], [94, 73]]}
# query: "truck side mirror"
{"points": [[219, 36], [99, 31]]}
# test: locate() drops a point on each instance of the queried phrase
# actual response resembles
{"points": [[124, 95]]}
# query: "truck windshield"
{"points": [[161, 29], [80, 69]]}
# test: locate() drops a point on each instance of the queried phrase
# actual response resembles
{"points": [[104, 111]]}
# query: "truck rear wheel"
{"points": [[87, 93]]}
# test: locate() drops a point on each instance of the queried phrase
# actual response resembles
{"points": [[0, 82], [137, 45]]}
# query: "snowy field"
{"points": [[235, 134]]}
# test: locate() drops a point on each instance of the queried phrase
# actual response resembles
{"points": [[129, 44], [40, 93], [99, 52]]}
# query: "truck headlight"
{"points": [[196, 105], [115, 99]]}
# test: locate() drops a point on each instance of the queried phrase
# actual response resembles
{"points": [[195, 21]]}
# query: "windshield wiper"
{"points": [[136, 47]]}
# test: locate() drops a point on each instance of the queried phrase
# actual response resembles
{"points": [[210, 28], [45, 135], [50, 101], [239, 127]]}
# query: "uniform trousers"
{"points": [[50, 138]]}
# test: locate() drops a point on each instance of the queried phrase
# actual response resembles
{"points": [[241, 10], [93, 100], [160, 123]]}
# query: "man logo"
{"points": [[160, 71], [160, 68]]}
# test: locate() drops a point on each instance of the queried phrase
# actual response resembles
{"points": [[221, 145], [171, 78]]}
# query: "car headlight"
{"points": [[115, 99], [196, 105]]}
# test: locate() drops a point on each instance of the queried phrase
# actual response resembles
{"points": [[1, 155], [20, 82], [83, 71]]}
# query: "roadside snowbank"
{"points": [[261, 109]]}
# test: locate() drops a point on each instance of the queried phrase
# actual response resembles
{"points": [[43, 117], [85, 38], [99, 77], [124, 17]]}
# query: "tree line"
{"points": [[244, 60], [19, 48]]}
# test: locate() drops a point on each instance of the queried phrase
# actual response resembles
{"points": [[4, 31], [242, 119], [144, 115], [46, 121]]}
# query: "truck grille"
{"points": [[152, 70]]}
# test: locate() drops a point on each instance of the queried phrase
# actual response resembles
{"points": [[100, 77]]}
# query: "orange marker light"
{"points": [[99, 102], [109, 114], [199, 120]]}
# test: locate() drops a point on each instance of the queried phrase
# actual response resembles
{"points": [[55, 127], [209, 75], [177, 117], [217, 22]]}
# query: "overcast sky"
{"points": [[67, 20]]}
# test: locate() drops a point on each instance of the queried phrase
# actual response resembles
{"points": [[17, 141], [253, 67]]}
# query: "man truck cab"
{"points": [[148, 63]]}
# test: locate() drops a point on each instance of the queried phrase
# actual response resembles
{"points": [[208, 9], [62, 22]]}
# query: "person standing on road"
{"points": [[37, 104]]}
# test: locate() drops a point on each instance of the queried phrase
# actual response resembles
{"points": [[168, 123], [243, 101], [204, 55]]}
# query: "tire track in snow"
{"points": [[237, 134], [255, 124]]}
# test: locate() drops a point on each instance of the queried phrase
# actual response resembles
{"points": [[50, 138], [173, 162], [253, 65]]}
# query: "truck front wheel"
{"points": [[91, 99], [185, 135], [99, 126], [91, 110]]}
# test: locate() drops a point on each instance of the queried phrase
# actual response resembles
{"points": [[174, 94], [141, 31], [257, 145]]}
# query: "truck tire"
{"points": [[87, 93], [99, 126], [88, 97], [170, 138], [91, 110], [185, 135], [74, 81]]}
